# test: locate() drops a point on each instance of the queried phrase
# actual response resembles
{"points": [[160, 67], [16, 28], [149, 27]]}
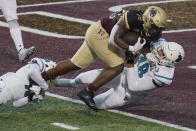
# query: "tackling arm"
{"points": [[121, 30], [35, 75]]}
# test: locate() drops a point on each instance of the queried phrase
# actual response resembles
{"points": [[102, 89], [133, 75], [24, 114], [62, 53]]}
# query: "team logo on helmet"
{"points": [[153, 12]]}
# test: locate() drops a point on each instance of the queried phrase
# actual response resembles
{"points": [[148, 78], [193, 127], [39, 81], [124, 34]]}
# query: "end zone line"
{"points": [[125, 113], [43, 33]]}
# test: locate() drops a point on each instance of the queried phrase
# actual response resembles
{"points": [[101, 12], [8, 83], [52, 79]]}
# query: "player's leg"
{"points": [[9, 11], [80, 60], [111, 98], [82, 79], [15, 32], [97, 40]]}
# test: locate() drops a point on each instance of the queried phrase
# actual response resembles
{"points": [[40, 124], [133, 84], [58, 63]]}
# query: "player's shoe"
{"points": [[87, 97], [25, 53]]}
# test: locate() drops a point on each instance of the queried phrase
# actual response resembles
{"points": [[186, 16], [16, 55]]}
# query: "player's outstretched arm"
{"points": [[35, 75]]}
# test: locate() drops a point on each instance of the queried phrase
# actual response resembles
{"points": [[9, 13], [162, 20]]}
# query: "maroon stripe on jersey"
{"points": [[108, 24]]}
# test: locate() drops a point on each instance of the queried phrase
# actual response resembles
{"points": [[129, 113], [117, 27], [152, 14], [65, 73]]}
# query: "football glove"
{"points": [[138, 45], [130, 57]]}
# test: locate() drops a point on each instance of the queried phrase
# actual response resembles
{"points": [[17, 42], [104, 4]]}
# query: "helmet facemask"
{"points": [[169, 53], [161, 56]]}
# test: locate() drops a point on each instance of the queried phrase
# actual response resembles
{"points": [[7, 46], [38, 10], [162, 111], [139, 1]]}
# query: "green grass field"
{"points": [[38, 117]]}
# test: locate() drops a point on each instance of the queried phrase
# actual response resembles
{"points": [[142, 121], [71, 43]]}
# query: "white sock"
{"points": [[16, 34]]}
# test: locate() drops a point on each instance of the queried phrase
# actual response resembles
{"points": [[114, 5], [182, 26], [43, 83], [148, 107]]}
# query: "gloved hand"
{"points": [[130, 57], [152, 58], [138, 45], [36, 93]]}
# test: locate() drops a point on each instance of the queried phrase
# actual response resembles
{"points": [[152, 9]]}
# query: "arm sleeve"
{"points": [[35, 75], [138, 84]]}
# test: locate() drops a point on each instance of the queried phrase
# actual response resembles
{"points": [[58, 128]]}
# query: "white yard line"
{"points": [[50, 34], [53, 3], [179, 31], [64, 17], [62, 125], [192, 67], [43, 33], [46, 33], [52, 15], [125, 113], [119, 7]]}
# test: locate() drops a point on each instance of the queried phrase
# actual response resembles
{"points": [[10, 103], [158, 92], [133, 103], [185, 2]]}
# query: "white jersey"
{"points": [[14, 86], [9, 8]]}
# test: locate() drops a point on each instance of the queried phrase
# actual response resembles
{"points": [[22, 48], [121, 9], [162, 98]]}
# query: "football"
{"points": [[130, 37]]}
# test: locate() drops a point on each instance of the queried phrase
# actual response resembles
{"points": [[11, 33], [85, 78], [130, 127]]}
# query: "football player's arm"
{"points": [[145, 49], [35, 75], [121, 30]]}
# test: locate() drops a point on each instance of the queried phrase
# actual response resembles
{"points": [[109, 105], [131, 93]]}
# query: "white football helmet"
{"points": [[172, 53], [44, 64]]}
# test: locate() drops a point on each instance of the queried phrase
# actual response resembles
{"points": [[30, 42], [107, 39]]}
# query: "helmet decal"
{"points": [[153, 12]]}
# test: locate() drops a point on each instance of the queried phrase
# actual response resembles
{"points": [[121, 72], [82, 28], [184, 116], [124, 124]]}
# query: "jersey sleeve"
{"points": [[132, 19], [163, 75]]}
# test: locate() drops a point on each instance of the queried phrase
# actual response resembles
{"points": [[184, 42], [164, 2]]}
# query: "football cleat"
{"points": [[87, 97], [25, 53]]}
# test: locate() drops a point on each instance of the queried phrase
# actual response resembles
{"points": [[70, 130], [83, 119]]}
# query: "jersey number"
{"points": [[143, 69]]}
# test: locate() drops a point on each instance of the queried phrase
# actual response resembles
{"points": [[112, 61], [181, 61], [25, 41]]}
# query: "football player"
{"points": [[26, 84], [148, 24], [9, 8], [136, 81]]}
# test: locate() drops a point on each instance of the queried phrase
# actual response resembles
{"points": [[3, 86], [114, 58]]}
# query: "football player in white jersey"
{"points": [[151, 72], [9, 8], [26, 84]]}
